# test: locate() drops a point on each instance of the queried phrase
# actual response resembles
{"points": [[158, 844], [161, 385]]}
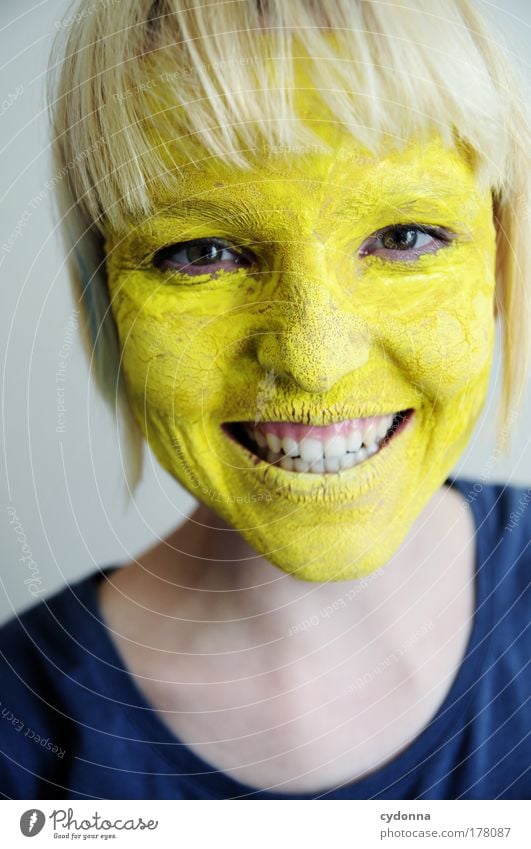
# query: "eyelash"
{"points": [[440, 235], [162, 259], [244, 259]]}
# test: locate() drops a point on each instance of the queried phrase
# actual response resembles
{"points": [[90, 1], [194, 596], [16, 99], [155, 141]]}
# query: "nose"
{"points": [[314, 341]]}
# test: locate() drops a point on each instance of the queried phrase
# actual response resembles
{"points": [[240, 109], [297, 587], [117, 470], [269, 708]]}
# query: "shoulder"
{"points": [[500, 497], [502, 516], [502, 519], [48, 630], [43, 657]]}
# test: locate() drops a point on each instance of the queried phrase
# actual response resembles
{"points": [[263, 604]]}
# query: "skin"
{"points": [[291, 686], [318, 329]]}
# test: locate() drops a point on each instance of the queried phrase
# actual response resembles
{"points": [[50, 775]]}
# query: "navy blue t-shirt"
{"points": [[74, 725]]}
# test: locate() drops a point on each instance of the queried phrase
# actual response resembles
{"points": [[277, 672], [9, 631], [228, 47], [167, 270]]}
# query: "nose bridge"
{"points": [[313, 341]]}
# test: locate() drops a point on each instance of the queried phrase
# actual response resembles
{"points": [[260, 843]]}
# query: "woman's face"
{"points": [[304, 298]]}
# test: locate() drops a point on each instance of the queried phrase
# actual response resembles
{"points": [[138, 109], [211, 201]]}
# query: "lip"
{"points": [[341, 485], [319, 418]]}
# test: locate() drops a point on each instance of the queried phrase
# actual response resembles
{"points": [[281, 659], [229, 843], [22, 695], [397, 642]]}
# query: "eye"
{"points": [[405, 242], [202, 256]]}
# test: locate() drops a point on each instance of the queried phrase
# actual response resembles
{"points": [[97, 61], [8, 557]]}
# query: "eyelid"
{"points": [[430, 229], [222, 244], [188, 243], [443, 234]]}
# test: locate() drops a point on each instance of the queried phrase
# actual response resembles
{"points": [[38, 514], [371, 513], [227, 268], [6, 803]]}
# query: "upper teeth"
{"points": [[335, 449]]}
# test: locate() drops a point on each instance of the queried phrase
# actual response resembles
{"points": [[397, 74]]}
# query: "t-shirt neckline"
{"points": [[124, 692]]}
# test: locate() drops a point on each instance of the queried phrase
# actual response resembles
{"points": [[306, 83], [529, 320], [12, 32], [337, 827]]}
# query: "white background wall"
{"points": [[66, 488]]}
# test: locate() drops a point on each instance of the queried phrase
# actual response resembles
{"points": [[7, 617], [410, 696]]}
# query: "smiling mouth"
{"points": [[319, 450]]}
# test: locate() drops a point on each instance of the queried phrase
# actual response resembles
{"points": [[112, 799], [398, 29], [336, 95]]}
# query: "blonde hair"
{"points": [[384, 76]]}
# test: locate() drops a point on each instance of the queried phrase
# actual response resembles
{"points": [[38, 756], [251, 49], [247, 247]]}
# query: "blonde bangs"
{"points": [[223, 75]]}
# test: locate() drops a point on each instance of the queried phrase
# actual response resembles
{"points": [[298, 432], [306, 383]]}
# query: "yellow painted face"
{"points": [[341, 285]]}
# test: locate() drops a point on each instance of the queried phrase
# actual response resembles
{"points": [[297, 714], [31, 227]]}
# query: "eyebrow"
{"points": [[413, 202], [207, 208], [422, 200]]}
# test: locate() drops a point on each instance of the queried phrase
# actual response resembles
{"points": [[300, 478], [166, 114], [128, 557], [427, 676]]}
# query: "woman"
{"points": [[291, 229]]}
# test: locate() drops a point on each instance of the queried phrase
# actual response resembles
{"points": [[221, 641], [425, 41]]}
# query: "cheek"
{"points": [[179, 360], [451, 350], [439, 331]]}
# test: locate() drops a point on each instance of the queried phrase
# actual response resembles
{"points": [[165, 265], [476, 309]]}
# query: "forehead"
{"points": [[422, 182], [334, 170]]}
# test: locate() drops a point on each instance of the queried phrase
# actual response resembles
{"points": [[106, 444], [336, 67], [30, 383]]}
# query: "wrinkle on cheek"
{"points": [[194, 373], [483, 319], [447, 360], [443, 338], [440, 353]]}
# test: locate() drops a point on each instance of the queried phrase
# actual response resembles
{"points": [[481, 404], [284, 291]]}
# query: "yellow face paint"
{"points": [[317, 330]]}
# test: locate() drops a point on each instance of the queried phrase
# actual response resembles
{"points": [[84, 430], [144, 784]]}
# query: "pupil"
{"points": [[203, 254], [400, 239]]}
